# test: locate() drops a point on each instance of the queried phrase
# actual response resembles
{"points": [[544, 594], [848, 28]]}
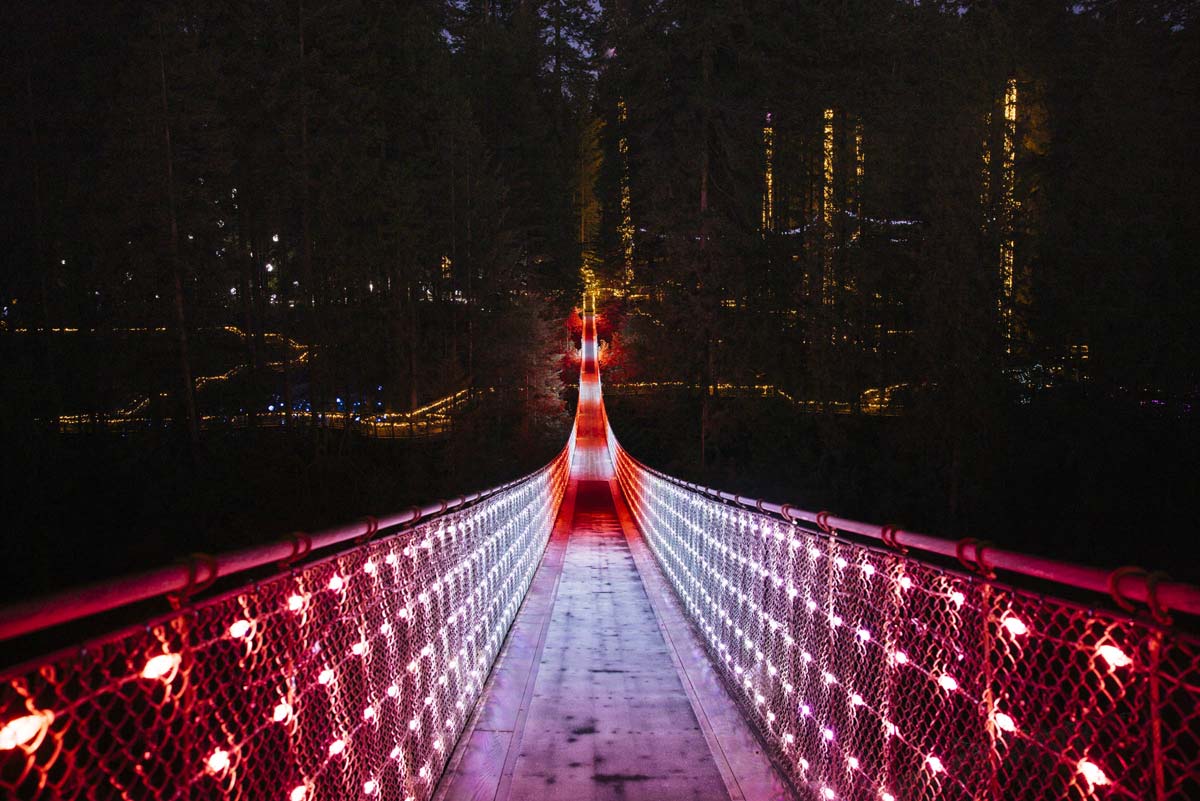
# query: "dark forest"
{"points": [[276, 264]]}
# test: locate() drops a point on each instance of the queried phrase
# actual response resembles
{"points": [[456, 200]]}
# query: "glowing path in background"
{"points": [[600, 690]]}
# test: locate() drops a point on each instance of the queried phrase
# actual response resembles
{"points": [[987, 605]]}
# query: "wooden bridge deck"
{"points": [[602, 690]]}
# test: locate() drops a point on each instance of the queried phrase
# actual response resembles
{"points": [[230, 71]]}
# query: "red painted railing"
{"points": [[872, 673]]}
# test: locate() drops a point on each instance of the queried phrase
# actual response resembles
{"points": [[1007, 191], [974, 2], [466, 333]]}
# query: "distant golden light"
{"points": [[1008, 181], [829, 209], [768, 209], [625, 229]]}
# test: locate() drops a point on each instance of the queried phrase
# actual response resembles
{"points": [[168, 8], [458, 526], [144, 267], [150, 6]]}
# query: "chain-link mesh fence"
{"points": [[872, 674], [346, 678]]}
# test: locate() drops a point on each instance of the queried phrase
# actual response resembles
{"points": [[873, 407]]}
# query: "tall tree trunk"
{"points": [[454, 265], [287, 371], [316, 381], [258, 286], [413, 344], [246, 262], [470, 289], [558, 81], [41, 264], [706, 122], [397, 317], [286, 329], [305, 201], [185, 362]]}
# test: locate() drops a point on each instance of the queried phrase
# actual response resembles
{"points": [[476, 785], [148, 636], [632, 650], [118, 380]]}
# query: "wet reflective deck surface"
{"points": [[601, 691]]}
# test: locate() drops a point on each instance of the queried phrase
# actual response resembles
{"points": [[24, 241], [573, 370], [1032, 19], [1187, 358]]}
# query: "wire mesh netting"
{"points": [[874, 675], [349, 677]]}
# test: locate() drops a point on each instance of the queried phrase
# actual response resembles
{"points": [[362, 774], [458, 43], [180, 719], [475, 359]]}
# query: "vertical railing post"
{"points": [[187, 663], [1156, 739], [989, 698], [890, 618]]}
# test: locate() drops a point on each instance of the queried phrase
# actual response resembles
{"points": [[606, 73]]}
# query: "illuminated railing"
{"points": [[872, 673], [347, 677]]}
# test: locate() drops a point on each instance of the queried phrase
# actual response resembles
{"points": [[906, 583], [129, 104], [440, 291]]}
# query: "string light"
{"points": [[218, 761], [163, 666], [26, 731], [1114, 656], [239, 629], [299, 793], [1092, 773]]}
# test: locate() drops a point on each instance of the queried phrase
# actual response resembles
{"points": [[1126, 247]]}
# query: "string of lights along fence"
{"points": [[874, 675], [351, 677], [870, 673]]}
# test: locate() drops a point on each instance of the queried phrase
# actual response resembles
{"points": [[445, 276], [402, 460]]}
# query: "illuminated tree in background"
{"points": [[891, 258]]}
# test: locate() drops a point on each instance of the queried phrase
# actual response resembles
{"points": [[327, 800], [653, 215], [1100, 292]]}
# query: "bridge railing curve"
{"points": [[351, 676], [871, 672]]}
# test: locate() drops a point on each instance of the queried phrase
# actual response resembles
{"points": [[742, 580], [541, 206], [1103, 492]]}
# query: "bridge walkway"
{"points": [[602, 691]]}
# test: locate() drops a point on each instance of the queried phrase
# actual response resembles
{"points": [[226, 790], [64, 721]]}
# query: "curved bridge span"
{"points": [[599, 630]]}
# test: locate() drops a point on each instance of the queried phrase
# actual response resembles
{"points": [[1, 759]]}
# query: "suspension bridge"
{"points": [[601, 630]]}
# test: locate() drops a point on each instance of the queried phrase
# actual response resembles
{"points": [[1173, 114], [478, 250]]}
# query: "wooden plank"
{"points": [[609, 718], [477, 774]]}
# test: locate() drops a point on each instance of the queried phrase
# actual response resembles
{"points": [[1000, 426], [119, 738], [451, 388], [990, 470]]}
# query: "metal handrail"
{"points": [[1123, 584], [64, 607]]}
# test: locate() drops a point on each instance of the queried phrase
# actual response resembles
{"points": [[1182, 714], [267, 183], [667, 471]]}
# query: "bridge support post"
{"points": [[1156, 738], [990, 618]]}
